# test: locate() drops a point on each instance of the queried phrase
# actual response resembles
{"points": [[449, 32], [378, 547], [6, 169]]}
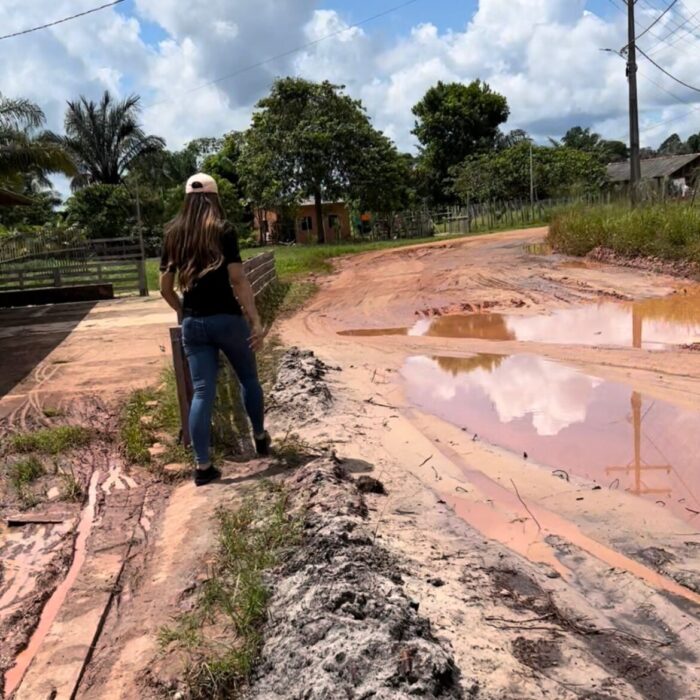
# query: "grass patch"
{"points": [[135, 436], [231, 604], [146, 412], [52, 441], [670, 231], [71, 490], [26, 471], [52, 412]]}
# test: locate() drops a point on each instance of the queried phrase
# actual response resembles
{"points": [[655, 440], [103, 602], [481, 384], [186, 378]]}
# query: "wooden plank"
{"points": [[250, 265], [183, 382], [259, 272], [33, 519]]}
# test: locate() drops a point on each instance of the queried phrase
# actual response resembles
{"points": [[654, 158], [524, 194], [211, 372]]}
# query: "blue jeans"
{"points": [[203, 337]]}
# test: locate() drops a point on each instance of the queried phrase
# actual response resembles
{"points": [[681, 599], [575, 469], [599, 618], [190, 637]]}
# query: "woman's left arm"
{"points": [[167, 291]]}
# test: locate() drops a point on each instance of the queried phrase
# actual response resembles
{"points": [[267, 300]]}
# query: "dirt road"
{"points": [[537, 432]]}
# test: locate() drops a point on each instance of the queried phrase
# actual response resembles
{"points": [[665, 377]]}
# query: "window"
{"points": [[333, 221], [306, 223]]}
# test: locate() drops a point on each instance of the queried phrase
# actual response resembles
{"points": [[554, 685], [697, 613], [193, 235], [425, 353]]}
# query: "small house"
{"points": [[300, 224], [677, 171]]}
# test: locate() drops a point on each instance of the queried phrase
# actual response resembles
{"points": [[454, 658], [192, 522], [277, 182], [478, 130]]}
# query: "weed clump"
{"points": [[24, 472], [670, 231], [231, 604], [52, 441]]}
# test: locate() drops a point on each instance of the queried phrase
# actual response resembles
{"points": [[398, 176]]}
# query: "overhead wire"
{"points": [[664, 122], [656, 21], [668, 73], [60, 21]]}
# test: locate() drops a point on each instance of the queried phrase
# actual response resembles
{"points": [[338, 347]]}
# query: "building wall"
{"points": [[306, 212]]}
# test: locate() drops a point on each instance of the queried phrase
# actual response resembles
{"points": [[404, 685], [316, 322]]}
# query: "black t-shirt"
{"points": [[212, 293]]}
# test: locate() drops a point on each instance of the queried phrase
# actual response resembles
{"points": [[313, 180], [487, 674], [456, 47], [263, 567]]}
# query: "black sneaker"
{"points": [[202, 477], [262, 445]]}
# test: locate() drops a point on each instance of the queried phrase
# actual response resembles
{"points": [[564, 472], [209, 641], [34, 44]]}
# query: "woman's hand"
{"points": [[257, 335]]}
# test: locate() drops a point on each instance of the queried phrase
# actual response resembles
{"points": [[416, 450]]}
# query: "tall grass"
{"points": [[668, 230]]}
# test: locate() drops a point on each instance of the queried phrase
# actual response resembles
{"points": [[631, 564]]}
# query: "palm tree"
{"points": [[105, 138], [25, 155]]}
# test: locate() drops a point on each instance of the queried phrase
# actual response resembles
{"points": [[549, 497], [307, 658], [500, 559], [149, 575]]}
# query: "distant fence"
{"points": [[487, 216], [31, 263], [471, 218], [261, 273]]}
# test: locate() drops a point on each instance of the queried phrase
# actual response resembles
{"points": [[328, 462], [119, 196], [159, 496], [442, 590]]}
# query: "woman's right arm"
{"points": [[167, 291]]}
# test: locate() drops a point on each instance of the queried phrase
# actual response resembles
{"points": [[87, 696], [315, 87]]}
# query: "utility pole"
{"points": [[635, 165], [532, 182]]}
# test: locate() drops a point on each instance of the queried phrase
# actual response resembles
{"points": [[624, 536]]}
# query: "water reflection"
{"points": [[568, 420], [661, 322]]}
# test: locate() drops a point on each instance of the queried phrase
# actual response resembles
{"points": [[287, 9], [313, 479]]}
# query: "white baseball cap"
{"points": [[201, 183]]}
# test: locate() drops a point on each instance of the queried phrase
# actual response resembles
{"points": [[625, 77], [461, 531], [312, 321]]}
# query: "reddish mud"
{"points": [[556, 417]]}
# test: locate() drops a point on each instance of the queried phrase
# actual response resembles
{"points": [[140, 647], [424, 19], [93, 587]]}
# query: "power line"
{"points": [[290, 52], [678, 26], [61, 21], [665, 72], [656, 21], [680, 37]]}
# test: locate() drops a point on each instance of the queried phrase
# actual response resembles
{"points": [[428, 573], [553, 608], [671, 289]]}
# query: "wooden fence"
{"points": [[116, 261], [261, 273]]}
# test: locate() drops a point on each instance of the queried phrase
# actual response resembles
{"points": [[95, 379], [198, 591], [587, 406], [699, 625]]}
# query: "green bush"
{"points": [[670, 231]]}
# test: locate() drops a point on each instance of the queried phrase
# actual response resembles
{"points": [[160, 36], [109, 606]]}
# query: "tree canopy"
{"points": [[583, 139], [27, 156], [309, 140], [558, 171], [104, 139], [455, 121]]}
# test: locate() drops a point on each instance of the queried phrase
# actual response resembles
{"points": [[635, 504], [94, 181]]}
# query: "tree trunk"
{"points": [[319, 216]]}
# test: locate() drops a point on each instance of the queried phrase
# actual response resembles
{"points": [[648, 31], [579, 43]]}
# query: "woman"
{"points": [[201, 247]]}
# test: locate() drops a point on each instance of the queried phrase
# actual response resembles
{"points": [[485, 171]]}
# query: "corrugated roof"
{"points": [[652, 168], [12, 199]]}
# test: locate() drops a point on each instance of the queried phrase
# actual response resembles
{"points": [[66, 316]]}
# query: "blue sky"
{"points": [[445, 14], [543, 55]]}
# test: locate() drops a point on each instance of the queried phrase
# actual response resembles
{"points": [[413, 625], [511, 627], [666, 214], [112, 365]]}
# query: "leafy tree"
{"points": [[104, 139], [511, 138], [583, 139], [558, 171], [102, 211], [455, 121], [694, 143], [306, 140], [672, 146], [26, 155]]}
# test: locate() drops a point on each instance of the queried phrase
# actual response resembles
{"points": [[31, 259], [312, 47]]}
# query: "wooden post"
{"points": [[183, 382], [143, 280]]}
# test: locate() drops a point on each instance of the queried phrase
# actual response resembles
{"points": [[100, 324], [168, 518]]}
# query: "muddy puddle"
{"points": [[568, 420], [651, 324]]}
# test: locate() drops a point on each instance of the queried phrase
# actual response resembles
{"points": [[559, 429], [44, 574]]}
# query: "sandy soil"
{"points": [[463, 508], [73, 364]]}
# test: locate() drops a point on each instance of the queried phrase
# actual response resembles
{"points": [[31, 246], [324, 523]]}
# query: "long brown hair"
{"points": [[193, 237]]}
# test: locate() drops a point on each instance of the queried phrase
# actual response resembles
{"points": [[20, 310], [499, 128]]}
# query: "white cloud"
{"points": [[550, 396], [544, 55]]}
